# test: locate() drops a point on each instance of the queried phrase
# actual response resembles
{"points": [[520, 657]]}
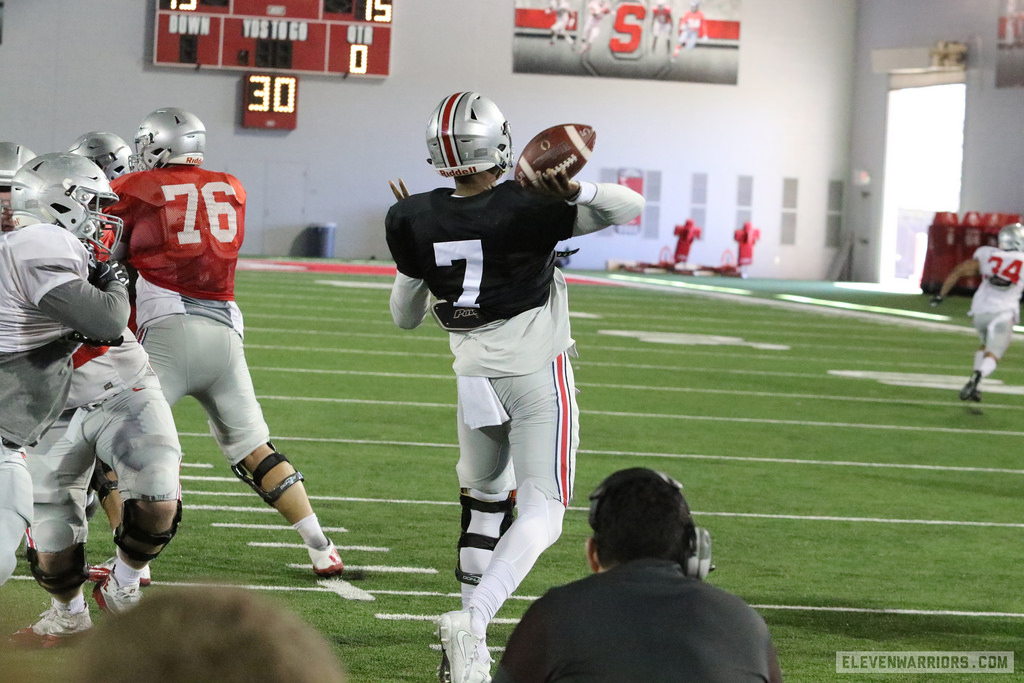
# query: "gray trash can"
{"points": [[321, 239]]}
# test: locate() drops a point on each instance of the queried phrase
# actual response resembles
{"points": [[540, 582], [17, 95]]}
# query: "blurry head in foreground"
{"points": [[218, 634]]}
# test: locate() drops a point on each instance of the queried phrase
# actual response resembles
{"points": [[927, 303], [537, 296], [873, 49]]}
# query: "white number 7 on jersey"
{"points": [[472, 252]]}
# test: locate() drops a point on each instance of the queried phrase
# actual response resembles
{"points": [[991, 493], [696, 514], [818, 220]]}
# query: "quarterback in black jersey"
{"points": [[517, 230], [485, 252]]}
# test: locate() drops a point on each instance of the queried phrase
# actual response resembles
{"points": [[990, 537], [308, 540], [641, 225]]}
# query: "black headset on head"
{"points": [[696, 559]]}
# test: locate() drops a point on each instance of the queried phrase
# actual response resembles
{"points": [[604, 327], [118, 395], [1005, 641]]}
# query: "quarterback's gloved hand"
{"points": [[936, 300], [102, 273]]}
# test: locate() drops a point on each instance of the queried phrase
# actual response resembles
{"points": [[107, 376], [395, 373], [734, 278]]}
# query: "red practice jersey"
{"points": [[694, 21], [183, 226]]}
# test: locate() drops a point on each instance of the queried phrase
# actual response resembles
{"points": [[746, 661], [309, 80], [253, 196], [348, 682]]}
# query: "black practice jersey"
{"points": [[640, 621], [494, 250]]}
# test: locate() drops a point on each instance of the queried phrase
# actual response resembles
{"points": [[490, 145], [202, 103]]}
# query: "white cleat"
{"points": [[56, 627], [114, 598], [462, 649]]}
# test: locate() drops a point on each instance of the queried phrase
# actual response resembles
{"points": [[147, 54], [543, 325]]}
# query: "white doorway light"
{"points": [[923, 169]]}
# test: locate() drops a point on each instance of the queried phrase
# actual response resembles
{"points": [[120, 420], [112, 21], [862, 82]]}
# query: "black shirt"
{"points": [[493, 250], [642, 621]]}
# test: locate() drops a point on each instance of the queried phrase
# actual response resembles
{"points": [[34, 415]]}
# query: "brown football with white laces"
{"points": [[566, 146]]}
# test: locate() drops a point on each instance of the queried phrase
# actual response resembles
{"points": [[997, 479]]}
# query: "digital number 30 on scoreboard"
{"points": [[342, 37], [270, 101]]}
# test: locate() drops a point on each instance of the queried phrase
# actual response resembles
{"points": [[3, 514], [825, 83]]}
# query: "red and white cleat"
{"points": [[326, 562]]}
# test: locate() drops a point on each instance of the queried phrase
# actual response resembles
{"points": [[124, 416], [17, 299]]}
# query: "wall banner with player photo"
{"points": [[666, 40], [1010, 39]]}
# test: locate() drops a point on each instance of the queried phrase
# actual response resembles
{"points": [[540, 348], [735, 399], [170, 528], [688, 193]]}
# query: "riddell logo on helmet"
{"points": [[194, 161], [453, 172]]}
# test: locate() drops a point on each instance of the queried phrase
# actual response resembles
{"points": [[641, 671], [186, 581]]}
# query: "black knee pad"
{"points": [[100, 483], [64, 581], [129, 530], [255, 481], [473, 540]]}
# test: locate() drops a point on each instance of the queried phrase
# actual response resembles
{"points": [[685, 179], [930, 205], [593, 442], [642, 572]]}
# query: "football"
{"points": [[567, 146]]}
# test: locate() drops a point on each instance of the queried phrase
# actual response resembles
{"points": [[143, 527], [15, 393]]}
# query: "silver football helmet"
{"points": [[169, 136], [1011, 237], [67, 190], [108, 151], [467, 134], [12, 157]]}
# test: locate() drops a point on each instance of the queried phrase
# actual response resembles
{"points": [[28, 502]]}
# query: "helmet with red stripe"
{"points": [[467, 134]]}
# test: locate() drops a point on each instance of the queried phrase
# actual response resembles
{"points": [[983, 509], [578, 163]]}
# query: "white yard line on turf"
{"points": [[427, 617], [808, 518], [937, 382], [642, 454], [274, 527], [376, 568], [365, 548], [666, 416]]}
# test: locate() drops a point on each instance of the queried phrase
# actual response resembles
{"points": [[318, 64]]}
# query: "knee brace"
{"points": [[475, 507], [62, 581], [268, 463], [129, 535], [100, 482]]}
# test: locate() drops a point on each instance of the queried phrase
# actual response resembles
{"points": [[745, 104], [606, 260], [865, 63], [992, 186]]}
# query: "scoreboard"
{"points": [[325, 37]]}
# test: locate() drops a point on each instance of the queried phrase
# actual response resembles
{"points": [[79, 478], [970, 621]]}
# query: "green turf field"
{"points": [[851, 497]]}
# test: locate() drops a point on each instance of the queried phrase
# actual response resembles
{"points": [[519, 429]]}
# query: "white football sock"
{"points": [[75, 606], [312, 535], [538, 525], [124, 574]]}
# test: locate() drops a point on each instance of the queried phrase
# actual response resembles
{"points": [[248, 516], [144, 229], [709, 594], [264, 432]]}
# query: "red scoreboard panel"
{"points": [[342, 37]]}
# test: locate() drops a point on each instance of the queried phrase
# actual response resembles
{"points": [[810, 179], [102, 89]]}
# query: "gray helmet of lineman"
{"points": [[12, 157], [69, 191], [169, 136], [1011, 237], [467, 134], [108, 151]]}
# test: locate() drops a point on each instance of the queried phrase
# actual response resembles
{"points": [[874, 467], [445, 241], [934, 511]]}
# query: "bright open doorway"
{"points": [[923, 163]]}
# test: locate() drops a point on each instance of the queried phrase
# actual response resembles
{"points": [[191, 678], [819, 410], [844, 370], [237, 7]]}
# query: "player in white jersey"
{"points": [[114, 157], [562, 10], [596, 11], [48, 291], [15, 483], [995, 306], [113, 408]]}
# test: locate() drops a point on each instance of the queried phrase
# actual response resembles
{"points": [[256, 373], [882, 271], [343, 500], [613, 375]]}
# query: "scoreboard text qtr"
{"points": [[324, 37]]}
